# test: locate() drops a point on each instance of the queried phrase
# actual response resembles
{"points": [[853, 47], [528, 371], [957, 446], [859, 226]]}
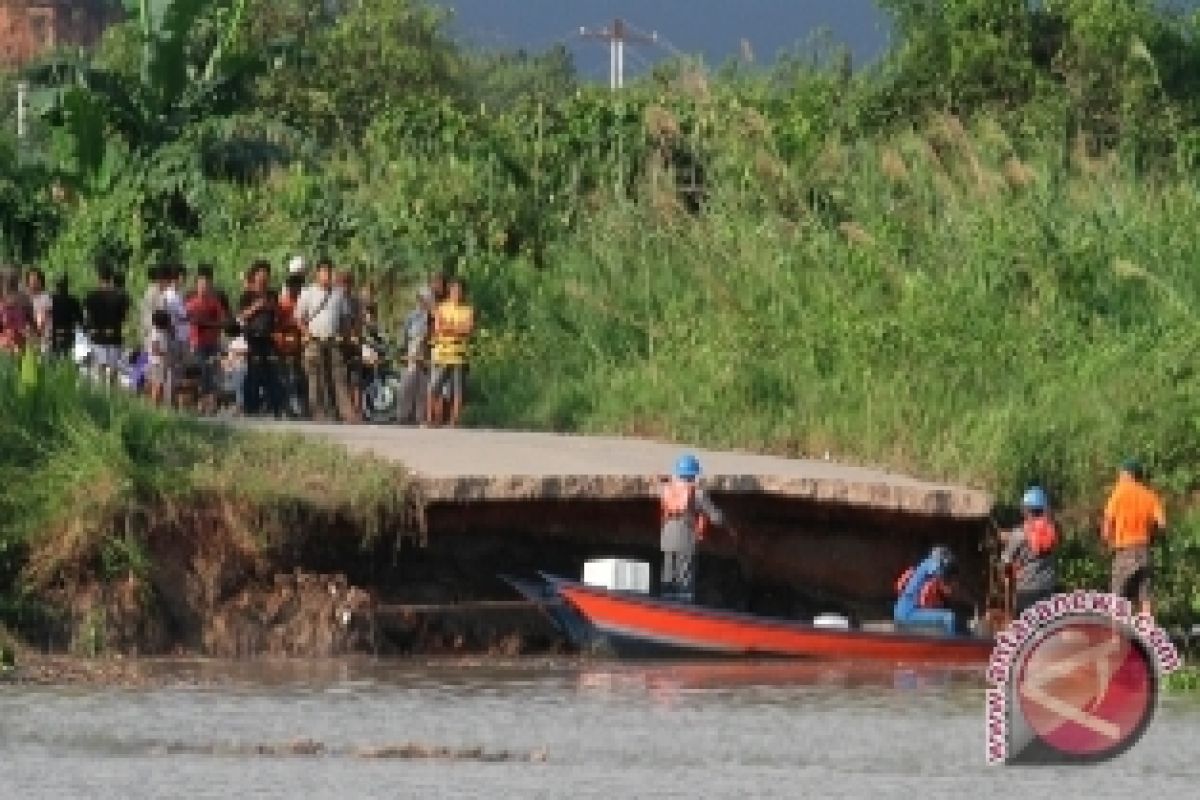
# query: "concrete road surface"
{"points": [[474, 464]]}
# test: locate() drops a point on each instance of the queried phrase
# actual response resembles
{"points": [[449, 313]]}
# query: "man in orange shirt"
{"points": [[1133, 517]]}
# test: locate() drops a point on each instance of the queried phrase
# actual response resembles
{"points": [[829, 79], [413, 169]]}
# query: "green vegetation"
{"points": [[8, 652], [974, 260], [85, 473], [1184, 679]]}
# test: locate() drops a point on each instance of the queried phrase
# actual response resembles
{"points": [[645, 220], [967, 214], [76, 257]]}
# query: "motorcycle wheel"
{"points": [[381, 400]]}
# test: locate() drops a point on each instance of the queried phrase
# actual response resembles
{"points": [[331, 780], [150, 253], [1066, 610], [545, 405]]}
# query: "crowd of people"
{"points": [[311, 348]]}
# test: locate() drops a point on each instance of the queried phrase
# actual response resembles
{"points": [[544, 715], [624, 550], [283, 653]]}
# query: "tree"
{"points": [[362, 62], [959, 55], [191, 70]]}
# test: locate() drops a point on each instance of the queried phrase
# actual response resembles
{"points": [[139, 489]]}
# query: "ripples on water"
{"points": [[607, 731]]}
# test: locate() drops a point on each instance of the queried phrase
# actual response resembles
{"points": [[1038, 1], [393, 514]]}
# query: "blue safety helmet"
{"points": [[687, 467], [944, 561], [1035, 499]]}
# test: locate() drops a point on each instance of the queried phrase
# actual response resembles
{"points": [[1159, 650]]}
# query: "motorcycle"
{"points": [[380, 383]]}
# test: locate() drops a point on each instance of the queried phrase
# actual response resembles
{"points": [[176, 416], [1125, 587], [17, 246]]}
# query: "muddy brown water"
{"points": [[538, 728]]}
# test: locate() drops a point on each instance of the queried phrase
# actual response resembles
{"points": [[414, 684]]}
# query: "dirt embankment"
{"points": [[217, 580]]}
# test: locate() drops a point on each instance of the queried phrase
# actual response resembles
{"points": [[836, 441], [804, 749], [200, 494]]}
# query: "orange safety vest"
{"points": [[932, 595], [678, 499], [1041, 536]]}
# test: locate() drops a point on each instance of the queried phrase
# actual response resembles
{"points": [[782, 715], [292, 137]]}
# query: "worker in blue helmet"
{"points": [[1029, 551], [922, 592], [686, 514]]}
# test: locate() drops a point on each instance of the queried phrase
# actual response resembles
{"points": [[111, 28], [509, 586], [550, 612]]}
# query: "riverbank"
{"points": [[798, 260], [129, 530], [132, 531]]}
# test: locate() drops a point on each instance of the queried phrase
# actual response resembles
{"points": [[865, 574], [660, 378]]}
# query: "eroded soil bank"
{"points": [[222, 581], [216, 579]]}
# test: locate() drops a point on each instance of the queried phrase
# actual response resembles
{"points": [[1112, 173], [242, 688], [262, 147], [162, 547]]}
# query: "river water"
{"points": [[559, 729]]}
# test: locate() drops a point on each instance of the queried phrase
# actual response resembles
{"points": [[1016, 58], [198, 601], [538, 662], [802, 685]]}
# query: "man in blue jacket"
{"points": [[923, 592]]}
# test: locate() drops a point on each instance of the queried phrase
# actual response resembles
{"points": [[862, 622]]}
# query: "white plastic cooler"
{"points": [[618, 574]]}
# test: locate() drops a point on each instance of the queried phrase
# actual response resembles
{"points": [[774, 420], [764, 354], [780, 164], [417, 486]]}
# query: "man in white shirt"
{"points": [[322, 314]]}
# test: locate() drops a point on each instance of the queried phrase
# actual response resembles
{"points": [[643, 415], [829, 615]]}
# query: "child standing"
{"points": [[163, 352]]}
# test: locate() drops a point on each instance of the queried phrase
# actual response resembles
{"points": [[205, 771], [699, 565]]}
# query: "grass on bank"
{"points": [[76, 465], [1184, 679]]}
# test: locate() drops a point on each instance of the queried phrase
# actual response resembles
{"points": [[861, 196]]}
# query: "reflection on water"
{"points": [[521, 729]]}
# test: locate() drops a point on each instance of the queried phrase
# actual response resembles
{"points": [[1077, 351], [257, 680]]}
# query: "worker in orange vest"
{"points": [[1030, 551], [686, 513], [1133, 518]]}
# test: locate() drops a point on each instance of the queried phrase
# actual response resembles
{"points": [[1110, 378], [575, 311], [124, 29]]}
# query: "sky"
{"points": [[712, 29]]}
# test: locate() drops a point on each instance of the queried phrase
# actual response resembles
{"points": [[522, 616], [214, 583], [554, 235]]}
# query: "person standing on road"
{"points": [[289, 346], [687, 512], [1133, 519], [163, 351], [453, 324], [41, 305], [414, 341], [439, 285], [66, 315], [206, 321], [350, 338], [256, 314], [320, 313], [105, 309], [16, 318], [1030, 550]]}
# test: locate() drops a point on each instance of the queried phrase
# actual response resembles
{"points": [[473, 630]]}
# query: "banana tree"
{"points": [[192, 69]]}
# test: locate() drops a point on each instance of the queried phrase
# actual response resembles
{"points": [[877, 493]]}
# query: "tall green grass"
{"points": [[76, 464], [970, 316]]}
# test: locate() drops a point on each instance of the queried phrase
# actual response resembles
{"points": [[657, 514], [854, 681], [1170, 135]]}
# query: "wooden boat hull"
{"points": [[638, 625]]}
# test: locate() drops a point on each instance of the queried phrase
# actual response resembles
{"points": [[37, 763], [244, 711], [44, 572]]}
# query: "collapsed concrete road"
{"points": [[813, 534], [462, 465]]}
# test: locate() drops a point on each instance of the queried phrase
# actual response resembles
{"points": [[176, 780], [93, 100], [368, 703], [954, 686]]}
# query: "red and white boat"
{"points": [[633, 624]]}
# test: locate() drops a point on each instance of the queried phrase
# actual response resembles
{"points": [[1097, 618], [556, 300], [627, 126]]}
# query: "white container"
{"points": [[618, 574], [831, 621]]}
